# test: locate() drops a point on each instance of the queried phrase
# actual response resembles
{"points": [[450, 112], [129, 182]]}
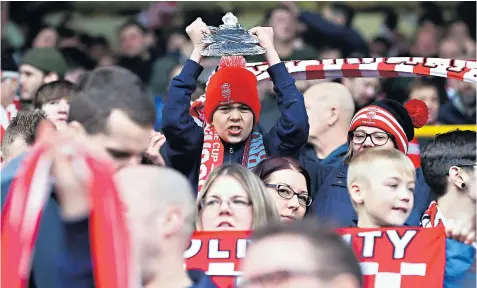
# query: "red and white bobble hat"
{"points": [[232, 83], [393, 118]]}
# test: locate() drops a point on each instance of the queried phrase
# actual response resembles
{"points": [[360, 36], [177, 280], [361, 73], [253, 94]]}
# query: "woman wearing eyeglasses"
{"points": [[233, 198], [385, 124], [289, 184]]}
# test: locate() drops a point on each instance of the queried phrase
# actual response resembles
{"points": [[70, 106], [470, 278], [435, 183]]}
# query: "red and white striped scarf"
{"points": [[27, 197], [392, 67], [331, 69], [213, 150]]}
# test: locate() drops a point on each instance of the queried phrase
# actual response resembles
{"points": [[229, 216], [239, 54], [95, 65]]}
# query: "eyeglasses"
{"points": [[234, 203], [272, 279], [287, 192], [377, 138]]}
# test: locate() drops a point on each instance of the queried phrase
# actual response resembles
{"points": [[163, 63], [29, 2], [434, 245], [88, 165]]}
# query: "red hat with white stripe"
{"points": [[393, 118], [232, 83]]}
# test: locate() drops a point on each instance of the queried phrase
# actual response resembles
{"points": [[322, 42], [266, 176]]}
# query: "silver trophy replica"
{"points": [[230, 39]]}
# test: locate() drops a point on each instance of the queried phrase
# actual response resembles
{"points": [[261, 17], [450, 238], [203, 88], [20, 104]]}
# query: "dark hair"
{"points": [[52, 91], [446, 150], [422, 82], [348, 11], [105, 89], [328, 247], [65, 32], [76, 58], [273, 164], [100, 40], [431, 12], [22, 126], [269, 14], [391, 19], [132, 22], [383, 40], [8, 61]]}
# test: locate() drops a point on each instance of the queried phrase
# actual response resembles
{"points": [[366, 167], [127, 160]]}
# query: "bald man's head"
{"points": [[160, 209], [328, 105], [147, 189]]}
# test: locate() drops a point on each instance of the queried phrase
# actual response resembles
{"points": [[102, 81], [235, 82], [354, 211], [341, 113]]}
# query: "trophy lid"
{"points": [[230, 21]]}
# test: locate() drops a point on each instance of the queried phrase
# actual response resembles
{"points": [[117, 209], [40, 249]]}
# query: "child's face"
{"points": [[233, 122], [388, 198], [57, 111]]}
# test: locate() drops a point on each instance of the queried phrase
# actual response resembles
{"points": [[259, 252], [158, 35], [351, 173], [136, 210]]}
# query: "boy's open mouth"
{"points": [[235, 130]]}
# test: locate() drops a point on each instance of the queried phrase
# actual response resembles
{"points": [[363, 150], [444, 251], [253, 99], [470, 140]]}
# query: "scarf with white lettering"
{"points": [[27, 197], [213, 149]]}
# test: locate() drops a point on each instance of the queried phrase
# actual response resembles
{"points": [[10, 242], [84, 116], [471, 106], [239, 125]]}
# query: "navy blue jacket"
{"points": [[449, 115], [50, 240], [185, 138], [335, 158], [348, 39], [333, 204], [200, 279]]}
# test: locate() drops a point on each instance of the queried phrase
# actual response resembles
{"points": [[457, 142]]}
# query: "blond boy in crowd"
{"points": [[381, 197], [385, 197]]}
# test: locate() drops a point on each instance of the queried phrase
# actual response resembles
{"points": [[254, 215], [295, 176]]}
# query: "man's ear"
{"points": [[356, 193], [455, 177], [172, 221], [333, 116], [50, 77]]}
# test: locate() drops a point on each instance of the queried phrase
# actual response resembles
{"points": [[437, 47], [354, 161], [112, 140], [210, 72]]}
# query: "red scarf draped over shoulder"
{"points": [[27, 197], [213, 149]]}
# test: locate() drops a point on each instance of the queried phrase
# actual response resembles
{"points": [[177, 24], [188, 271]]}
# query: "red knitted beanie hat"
{"points": [[232, 83], [393, 118]]}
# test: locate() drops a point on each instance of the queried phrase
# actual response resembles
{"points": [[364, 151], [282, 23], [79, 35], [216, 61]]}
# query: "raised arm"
{"points": [[290, 132], [348, 36]]}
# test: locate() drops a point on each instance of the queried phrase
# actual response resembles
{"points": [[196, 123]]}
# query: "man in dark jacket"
{"points": [[460, 109], [113, 110], [161, 224], [385, 124], [231, 110]]}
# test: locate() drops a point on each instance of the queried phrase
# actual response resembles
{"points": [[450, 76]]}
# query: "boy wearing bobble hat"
{"points": [[230, 112]]}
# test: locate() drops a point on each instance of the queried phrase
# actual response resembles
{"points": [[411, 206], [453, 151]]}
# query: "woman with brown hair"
{"points": [[285, 178]]}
